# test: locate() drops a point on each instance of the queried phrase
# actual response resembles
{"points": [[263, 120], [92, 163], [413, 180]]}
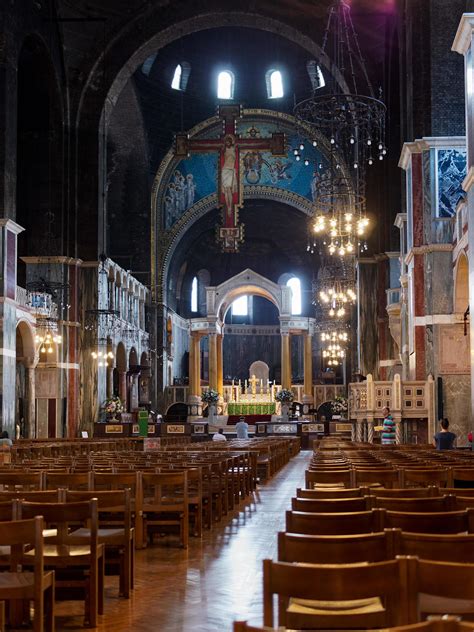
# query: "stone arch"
{"points": [[248, 282], [461, 284], [25, 344], [123, 56], [121, 357], [132, 358]]}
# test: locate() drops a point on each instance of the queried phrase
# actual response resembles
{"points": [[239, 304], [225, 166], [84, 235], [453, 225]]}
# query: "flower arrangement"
{"points": [[210, 396], [285, 396], [112, 405], [339, 405]]}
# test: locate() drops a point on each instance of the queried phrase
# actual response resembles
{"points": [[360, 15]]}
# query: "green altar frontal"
{"points": [[249, 408]]}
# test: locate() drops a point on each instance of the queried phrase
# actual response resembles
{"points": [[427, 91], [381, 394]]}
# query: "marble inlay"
{"points": [[451, 173]]}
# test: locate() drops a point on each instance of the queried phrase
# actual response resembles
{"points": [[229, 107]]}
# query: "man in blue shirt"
{"points": [[242, 429]]}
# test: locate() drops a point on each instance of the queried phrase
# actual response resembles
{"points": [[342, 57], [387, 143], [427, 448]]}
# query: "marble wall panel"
{"points": [[367, 320], [457, 405], [428, 162]]}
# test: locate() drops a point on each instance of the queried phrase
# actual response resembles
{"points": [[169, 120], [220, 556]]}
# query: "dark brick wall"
{"points": [[447, 70]]}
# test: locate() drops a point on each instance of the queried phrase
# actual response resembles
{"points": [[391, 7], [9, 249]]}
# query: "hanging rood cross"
{"points": [[229, 173]]}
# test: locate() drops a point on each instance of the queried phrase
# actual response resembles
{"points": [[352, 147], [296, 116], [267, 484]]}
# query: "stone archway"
{"points": [[125, 54], [26, 361]]}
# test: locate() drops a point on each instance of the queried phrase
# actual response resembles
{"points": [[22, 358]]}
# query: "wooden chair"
{"points": [[332, 479], [406, 492], [162, 501], [330, 505], [26, 481], [57, 480], [337, 596], [49, 496], [423, 477], [114, 530], [323, 494], [419, 505], [336, 549], [443, 547], [441, 587], [383, 477], [445, 623], [70, 555], [333, 524], [18, 583], [439, 522]]}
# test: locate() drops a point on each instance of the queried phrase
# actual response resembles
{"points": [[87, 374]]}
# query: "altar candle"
{"points": [[232, 382], [261, 384]]}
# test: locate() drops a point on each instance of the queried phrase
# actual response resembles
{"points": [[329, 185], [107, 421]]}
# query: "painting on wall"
{"points": [[191, 179], [451, 173]]}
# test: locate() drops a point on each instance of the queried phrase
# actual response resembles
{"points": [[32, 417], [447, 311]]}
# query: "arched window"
{"points": [[274, 84], [148, 64], [225, 85], [194, 295], [181, 76], [295, 284], [240, 307], [315, 75], [176, 83]]}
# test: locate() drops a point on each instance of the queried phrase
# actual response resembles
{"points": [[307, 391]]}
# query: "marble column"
{"points": [[308, 372], [213, 361], [285, 361], [9, 231], [110, 381], [370, 431], [359, 431], [197, 366], [123, 388], [191, 368], [30, 420], [194, 393], [220, 365]]}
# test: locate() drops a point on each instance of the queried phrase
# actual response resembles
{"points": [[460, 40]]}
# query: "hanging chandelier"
{"points": [[334, 289], [47, 335], [346, 110]]}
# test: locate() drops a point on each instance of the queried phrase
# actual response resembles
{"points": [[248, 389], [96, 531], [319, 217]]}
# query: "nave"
{"points": [[216, 581]]}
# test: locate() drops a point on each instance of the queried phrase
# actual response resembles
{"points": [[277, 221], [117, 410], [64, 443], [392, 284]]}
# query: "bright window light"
{"points": [[295, 285], [194, 295], [176, 83], [276, 85], [225, 85], [240, 306]]}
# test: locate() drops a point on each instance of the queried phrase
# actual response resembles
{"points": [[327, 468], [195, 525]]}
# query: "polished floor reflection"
{"points": [[217, 580]]}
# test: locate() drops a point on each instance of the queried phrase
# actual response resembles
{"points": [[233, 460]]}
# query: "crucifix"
{"points": [[229, 173]]}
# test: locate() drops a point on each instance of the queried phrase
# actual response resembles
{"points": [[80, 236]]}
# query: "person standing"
{"points": [[444, 439], [242, 429], [388, 429]]}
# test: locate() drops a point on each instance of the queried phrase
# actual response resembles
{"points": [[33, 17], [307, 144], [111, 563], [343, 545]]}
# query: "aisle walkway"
{"points": [[217, 580]]}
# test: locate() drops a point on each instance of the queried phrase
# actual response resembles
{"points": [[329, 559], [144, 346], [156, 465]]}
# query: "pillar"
{"points": [[30, 420], [285, 361], [308, 372], [123, 387], [194, 393], [213, 361], [220, 365], [110, 381], [370, 431]]}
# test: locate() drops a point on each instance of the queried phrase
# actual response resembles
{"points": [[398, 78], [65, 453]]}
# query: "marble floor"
{"points": [[217, 580]]}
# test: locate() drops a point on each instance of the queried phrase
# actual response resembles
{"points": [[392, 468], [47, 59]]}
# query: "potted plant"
{"points": [[112, 406], [339, 406], [210, 397], [285, 397]]}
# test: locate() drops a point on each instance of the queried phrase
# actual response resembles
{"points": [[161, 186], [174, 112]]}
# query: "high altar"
{"points": [[254, 397]]}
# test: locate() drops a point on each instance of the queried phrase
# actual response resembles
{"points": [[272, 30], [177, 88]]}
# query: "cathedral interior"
{"points": [[213, 212]]}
